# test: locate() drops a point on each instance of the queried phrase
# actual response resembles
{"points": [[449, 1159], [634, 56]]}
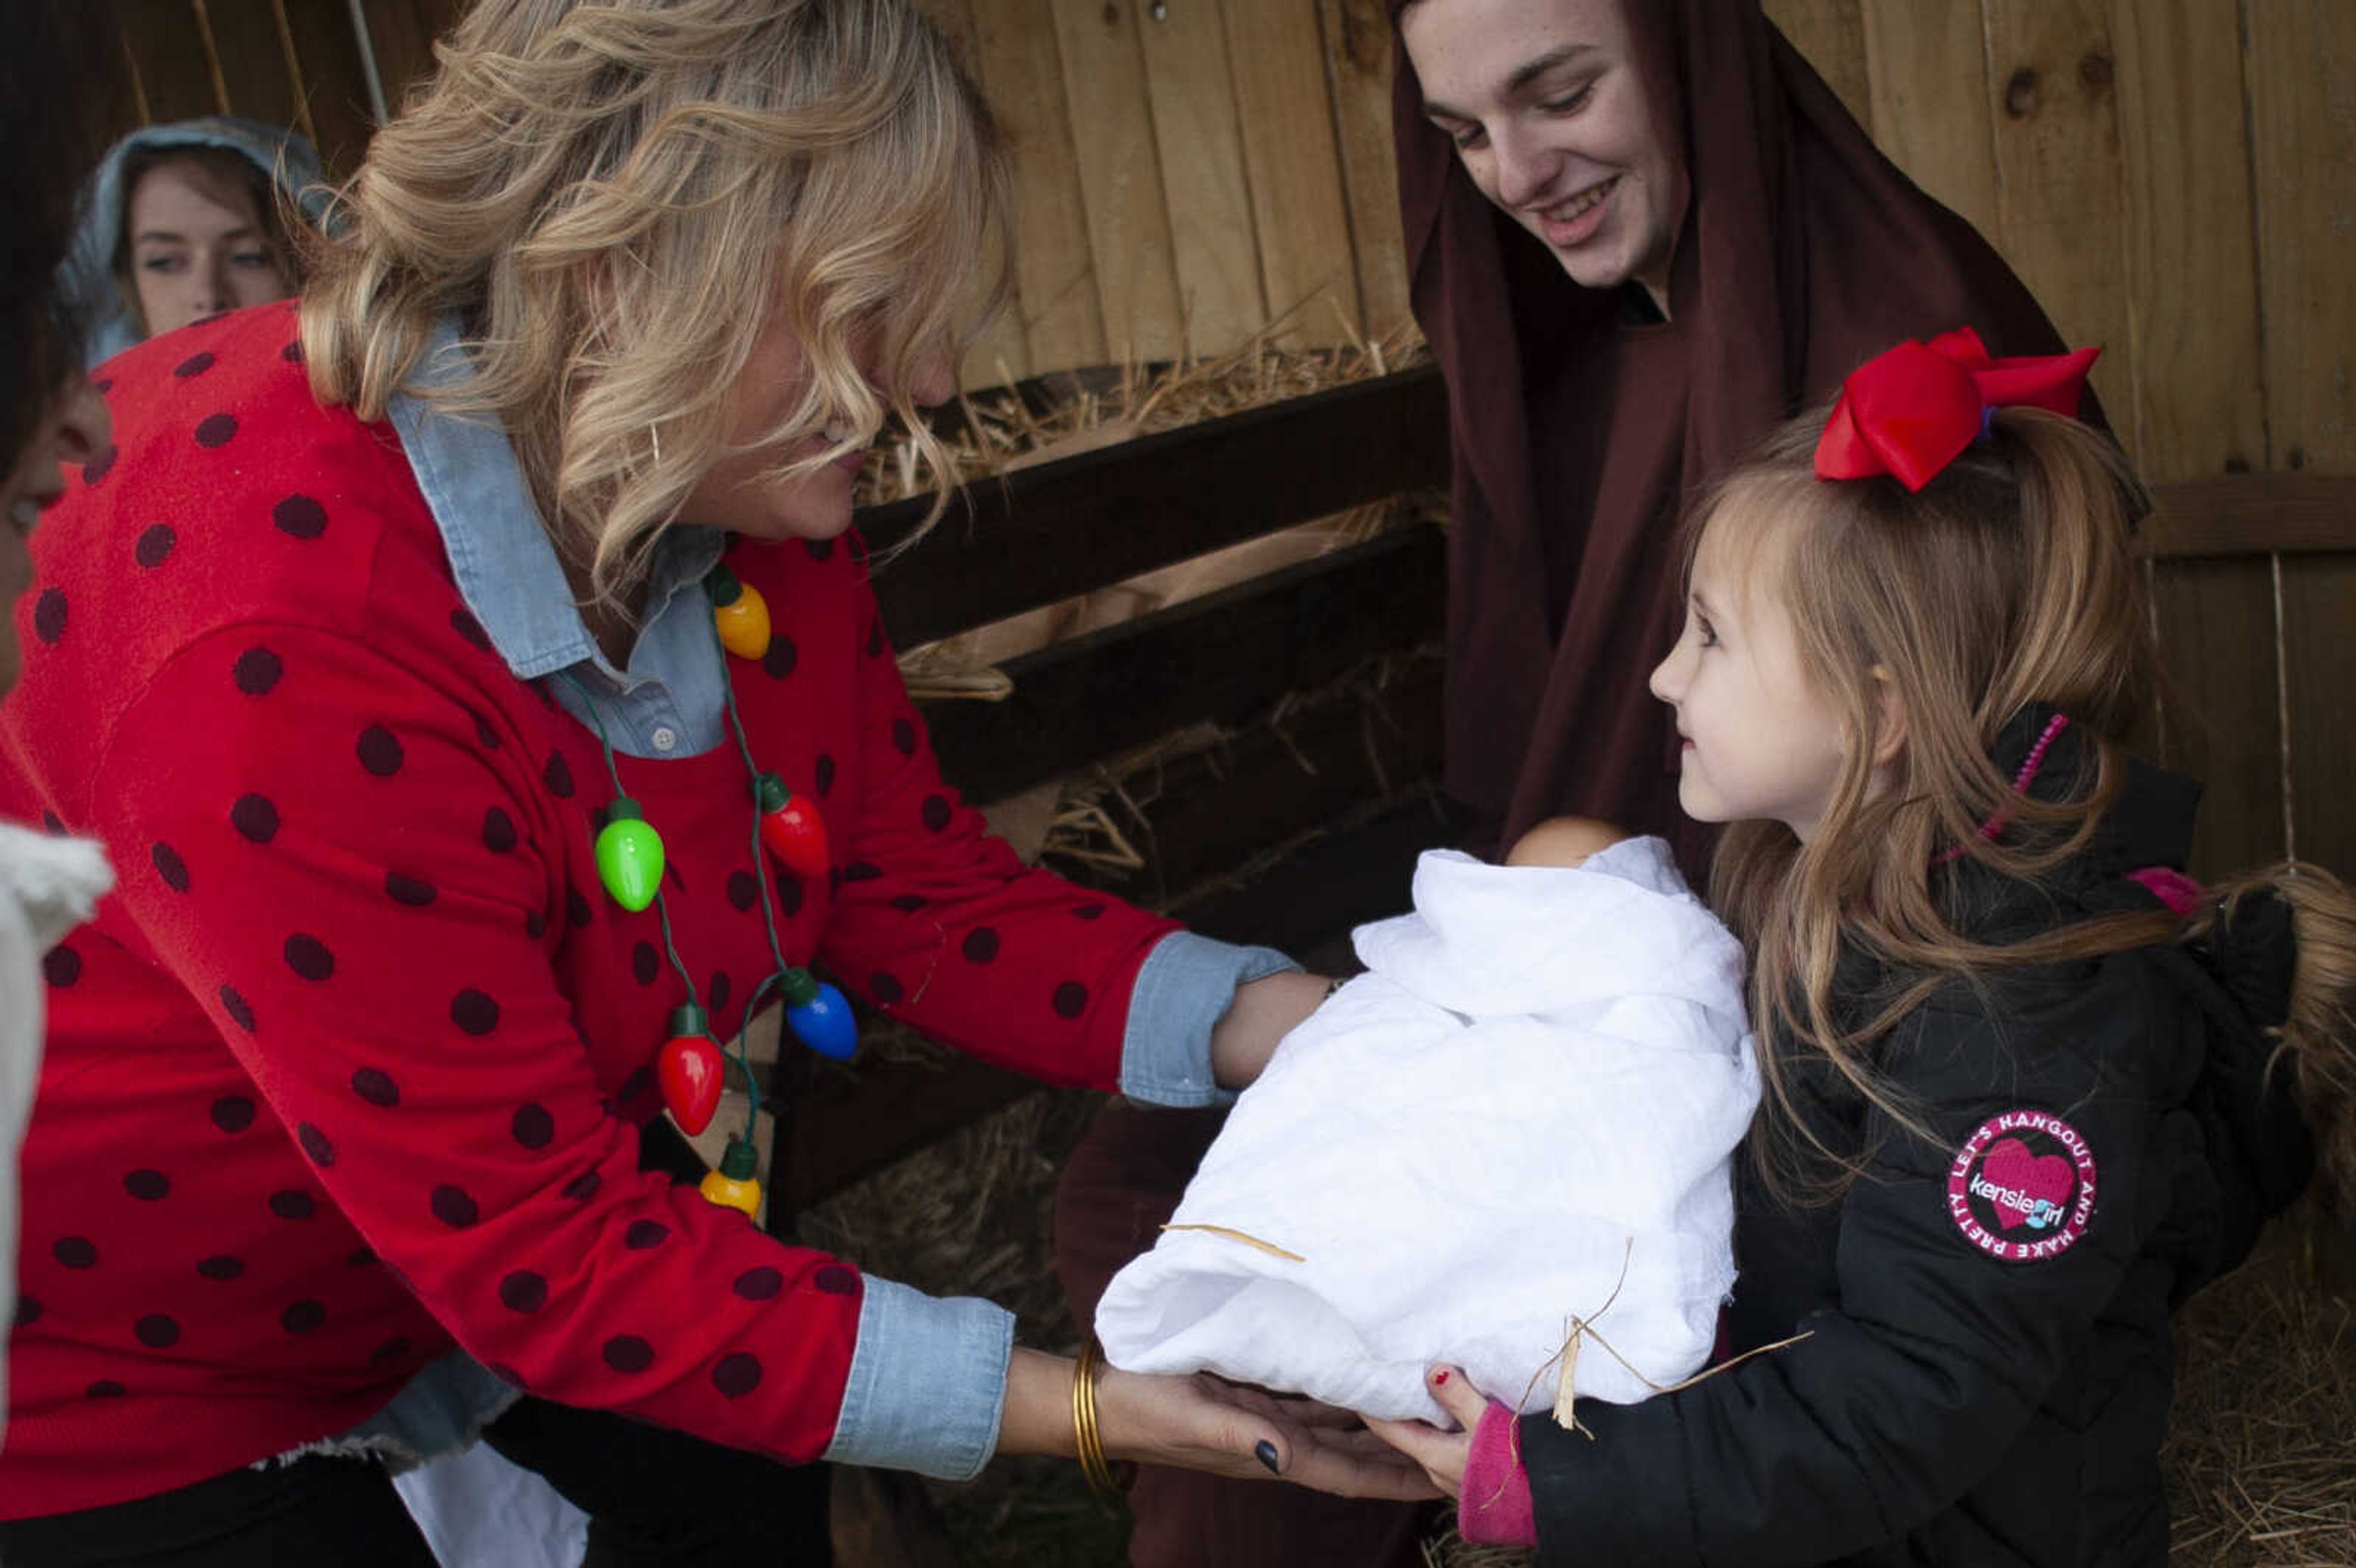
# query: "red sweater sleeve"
{"points": [[369, 942], [939, 923]]}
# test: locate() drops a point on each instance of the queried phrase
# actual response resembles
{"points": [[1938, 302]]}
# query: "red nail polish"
{"points": [[1439, 1377]]}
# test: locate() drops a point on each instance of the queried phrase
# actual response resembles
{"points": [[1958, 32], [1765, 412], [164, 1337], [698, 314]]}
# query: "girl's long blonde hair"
{"points": [[2008, 582], [614, 196]]}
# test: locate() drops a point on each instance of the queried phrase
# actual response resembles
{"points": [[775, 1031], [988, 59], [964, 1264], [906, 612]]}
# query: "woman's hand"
{"points": [[1442, 1454], [1265, 1011], [1202, 1424]]}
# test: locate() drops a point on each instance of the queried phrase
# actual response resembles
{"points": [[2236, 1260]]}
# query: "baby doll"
{"points": [[1520, 1119]]}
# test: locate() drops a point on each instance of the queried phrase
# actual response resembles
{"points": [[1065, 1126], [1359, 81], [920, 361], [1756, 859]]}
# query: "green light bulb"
{"points": [[630, 855]]}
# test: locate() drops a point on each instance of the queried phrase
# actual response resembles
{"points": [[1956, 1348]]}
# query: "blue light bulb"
{"points": [[824, 1024]]}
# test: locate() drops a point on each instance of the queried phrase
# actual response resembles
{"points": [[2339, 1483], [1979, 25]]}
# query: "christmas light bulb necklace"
{"points": [[692, 1065]]}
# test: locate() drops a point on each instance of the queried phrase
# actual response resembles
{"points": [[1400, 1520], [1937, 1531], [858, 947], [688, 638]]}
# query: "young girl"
{"points": [[2028, 1087]]}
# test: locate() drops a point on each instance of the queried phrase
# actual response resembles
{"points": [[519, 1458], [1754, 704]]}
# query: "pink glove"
{"points": [[1493, 1507]]}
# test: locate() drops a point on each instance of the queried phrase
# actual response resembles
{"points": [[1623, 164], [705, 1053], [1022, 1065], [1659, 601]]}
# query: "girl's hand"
{"points": [[1440, 1454]]}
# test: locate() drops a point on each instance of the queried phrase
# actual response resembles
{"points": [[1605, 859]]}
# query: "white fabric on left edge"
{"points": [[1536, 1090]]}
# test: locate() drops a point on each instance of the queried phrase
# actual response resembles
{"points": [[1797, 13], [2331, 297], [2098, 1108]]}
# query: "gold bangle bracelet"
{"points": [[1109, 1481]]}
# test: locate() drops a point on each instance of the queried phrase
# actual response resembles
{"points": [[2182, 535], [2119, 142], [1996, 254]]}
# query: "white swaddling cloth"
{"points": [[1534, 1091]]}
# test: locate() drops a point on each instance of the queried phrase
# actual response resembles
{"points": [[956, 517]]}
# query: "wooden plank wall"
{"points": [[2175, 179]]}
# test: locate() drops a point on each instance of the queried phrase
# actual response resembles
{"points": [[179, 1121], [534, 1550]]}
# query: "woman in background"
{"points": [[188, 220]]}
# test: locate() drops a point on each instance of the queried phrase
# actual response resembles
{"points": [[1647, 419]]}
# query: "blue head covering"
{"points": [[283, 157]]}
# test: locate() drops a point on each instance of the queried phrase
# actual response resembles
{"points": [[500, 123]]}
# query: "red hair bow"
{"points": [[1908, 412]]}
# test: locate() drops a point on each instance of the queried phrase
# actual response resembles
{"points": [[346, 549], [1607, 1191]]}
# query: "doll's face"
{"points": [[198, 246], [1760, 740], [1554, 123]]}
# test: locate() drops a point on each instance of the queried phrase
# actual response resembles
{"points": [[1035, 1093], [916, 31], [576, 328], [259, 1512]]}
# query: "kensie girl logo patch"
{"points": [[2022, 1187]]}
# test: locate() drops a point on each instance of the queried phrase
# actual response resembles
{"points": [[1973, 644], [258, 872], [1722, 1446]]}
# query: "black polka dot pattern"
{"points": [[1088, 912], [393, 1349], [789, 894], [819, 549], [74, 1251], [220, 1266], [874, 639], [908, 903], [523, 1291], [169, 865], [744, 890], [254, 818], [303, 1317], [885, 988], [473, 1012], [233, 1113], [105, 1387], [1071, 999], [154, 544], [737, 1374], [498, 831], [718, 991], [455, 1206], [240, 1013], [216, 431], [758, 1283], [378, 751], [980, 945], [49, 615], [644, 1235], [834, 1279], [535, 924], [416, 892], [577, 910], [194, 364], [157, 1331], [28, 1312], [300, 517], [645, 963], [935, 812], [628, 1353], [532, 1127], [557, 775], [148, 1186], [904, 737], [359, 1257], [584, 1187], [823, 774], [62, 967], [463, 621], [99, 467], [778, 659], [309, 958], [256, 671], [289, 1203], [862, 871], [293, 352], [376, 1086], [315, 1145], [639, 1084]]}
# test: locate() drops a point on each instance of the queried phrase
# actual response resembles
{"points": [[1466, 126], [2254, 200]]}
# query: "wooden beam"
{"points": [[1044, 534], [1222, 658], [2251, 514]]}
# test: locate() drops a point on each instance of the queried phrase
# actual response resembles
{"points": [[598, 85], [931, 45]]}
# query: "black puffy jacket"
{"points": [[1985, 1375]]}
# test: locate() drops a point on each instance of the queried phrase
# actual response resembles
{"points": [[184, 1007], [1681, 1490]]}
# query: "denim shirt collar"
{"points": [[506, 569]]}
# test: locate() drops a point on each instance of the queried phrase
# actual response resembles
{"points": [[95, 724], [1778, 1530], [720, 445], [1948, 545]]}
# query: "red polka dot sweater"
{"points": [[350, 1066]]}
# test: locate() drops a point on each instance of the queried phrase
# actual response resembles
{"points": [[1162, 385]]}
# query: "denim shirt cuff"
{"points": [[1182, 991], [927, 1383]]}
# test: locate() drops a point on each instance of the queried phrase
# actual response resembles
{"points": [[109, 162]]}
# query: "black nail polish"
{"points": [[1266, 1451]]}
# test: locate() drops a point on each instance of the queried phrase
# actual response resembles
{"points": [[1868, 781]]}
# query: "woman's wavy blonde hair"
{"points": [[614, 196]]}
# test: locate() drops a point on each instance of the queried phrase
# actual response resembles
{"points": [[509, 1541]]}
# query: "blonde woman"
{"points": [[390, 620]]}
